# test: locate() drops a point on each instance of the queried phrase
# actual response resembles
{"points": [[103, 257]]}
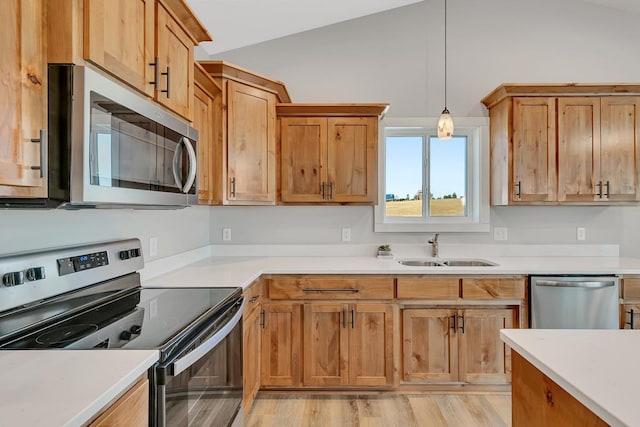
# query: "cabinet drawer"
{"points": [[330, 287], [494, 288], [253, 296], [429, 287], [631, 288]]}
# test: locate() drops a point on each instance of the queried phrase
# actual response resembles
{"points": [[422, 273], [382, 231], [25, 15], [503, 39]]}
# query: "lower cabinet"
{"points": [[281, 344], [251, 347], [131, 410], [456, 345], [348, 344]]}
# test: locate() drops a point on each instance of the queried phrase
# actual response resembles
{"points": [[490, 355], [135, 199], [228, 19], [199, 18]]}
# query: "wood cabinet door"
{"points": [[303, 145], [281, 344], [578, 149], [23, 100], [131, 410], [429, 345], [482, 356], [352, 159], [251, 144], [203, 105], [371, 344], [630, 316], [175, 62], [119, 36], [325, 344], [534, 150], [619, 154], [251, 331]]}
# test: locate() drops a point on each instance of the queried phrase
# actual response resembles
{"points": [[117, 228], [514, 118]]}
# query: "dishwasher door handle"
{"points": [[591, 284]]}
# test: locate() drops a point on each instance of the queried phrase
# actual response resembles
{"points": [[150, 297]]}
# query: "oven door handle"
{"points": [[190, 358]]}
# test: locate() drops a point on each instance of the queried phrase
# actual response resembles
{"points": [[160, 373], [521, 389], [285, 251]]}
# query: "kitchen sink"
{"points": [[446, 262], [419, 263]]}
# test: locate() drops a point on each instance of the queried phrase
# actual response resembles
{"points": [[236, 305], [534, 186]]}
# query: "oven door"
{"points": [[202, 384]]}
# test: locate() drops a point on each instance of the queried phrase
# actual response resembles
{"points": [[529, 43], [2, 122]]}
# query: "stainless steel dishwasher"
{"points": [[574, 302]]}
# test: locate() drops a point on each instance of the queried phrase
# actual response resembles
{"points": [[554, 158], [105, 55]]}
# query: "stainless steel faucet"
{"points": [[434, 246]]}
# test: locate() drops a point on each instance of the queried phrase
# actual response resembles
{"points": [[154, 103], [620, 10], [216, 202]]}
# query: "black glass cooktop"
{"points": [[144, 318]]}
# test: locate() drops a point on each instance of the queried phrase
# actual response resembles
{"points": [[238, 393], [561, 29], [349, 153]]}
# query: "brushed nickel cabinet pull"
{"points": [[606, 194], [233, 187], [322, 189], [630, 322], [519, 190], [353, 318], [455, 323], [168, 83], [154, 64], [43, 153], [330, 291], [599, 185], [263, 319], [331, 190], [462, 323], [344, 318]]}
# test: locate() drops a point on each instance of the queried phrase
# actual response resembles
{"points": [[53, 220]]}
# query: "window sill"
{"points": [[427, 228]]}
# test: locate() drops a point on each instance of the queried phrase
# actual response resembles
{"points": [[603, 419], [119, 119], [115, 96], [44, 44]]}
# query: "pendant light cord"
{"points": [[445, 54]]}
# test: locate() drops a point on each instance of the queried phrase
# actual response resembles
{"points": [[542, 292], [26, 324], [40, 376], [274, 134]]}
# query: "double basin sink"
{"points": [[447, 262]]}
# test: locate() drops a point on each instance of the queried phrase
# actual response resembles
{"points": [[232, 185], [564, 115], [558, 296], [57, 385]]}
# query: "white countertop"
{"points": [[65, 387], [241, 271], [598, 367]]}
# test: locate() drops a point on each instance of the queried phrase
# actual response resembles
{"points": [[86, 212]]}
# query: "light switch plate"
{"points": [[500, 233]]}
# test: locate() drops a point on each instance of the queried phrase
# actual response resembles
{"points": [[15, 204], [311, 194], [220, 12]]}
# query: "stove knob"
{"points": [[124, 255], [135, 329], [36, 273], [125, 335], [13, 279]]}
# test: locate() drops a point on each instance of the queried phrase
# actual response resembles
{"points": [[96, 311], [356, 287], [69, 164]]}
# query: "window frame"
{"points": [[476, 129]]}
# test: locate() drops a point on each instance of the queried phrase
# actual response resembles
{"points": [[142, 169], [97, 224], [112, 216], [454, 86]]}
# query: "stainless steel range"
{"points": [[89, 297]]}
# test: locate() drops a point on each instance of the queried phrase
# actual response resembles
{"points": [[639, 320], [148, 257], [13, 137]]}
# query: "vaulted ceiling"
{"points": [[238, 23]]}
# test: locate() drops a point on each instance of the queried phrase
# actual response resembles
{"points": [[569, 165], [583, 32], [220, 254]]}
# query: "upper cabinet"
{"points": [[147, 44], [569, 144], [329, 152], [245, 135], [23, 103]]}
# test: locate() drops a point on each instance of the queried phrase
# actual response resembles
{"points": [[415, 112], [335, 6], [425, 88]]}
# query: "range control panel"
{"points": [[82, 262]]}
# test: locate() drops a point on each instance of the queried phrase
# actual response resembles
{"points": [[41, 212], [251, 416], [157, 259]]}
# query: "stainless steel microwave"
{"points": [[110, 147]]}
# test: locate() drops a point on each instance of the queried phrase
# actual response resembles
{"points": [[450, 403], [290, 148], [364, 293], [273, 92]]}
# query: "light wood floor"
{"points": [[389, 410]]}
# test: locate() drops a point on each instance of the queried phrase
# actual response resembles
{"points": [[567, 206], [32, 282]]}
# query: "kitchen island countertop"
{"points": [[597, 367], [68, 387]]}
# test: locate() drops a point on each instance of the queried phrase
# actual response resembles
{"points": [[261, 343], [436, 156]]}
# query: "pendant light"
{"points": [[445, 123]]}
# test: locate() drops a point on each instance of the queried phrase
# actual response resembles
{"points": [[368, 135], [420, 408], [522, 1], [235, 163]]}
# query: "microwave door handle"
{"points": [[177, 156], [190, 358], [191, 177]]}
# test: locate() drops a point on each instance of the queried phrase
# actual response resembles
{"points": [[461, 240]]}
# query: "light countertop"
{"points": [[65, 387], [598, 367], [242, 271]]}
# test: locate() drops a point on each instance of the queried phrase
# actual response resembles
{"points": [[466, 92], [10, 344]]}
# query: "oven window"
{"points": [[209, 392]]}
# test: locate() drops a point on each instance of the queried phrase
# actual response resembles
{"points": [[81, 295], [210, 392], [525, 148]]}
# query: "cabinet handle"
{"points": [[462, 323], [329, 291], [43, 153], [154, 64], [518, 190], [630, 322], [344, 318], [322, 189], [606, 194], [599, 185], [168, 83], [331, 190], [233, 187], [263, 319], [455, 323], [353, 318]]}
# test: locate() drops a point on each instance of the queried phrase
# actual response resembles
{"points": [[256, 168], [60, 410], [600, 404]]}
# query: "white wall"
{"points": [[177, 230], [397, 57]]}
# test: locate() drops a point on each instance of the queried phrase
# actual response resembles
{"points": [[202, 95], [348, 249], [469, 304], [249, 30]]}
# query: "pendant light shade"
{"points": [[445, 123]]}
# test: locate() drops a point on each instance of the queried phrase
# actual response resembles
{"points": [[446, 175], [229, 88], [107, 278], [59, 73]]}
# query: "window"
{"points": [[428, 184]]}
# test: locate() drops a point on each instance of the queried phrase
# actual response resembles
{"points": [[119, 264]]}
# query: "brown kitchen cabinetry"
{"points": [[23, 105], [245, 135], [205, 94], [564, 144], [132, 409], [281, 336], [252, 320], [148, 44], [630, 303], [329, 152], [348, 344]]}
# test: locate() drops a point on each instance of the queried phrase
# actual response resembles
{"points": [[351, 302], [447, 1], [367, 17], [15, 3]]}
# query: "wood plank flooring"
{"points": [[388, 410]]}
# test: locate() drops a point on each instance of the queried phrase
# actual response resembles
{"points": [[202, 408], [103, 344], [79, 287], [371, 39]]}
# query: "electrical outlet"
{"points": [[226, 234], [153, 246], [346, 234], [581, 233], [500, 233]]}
